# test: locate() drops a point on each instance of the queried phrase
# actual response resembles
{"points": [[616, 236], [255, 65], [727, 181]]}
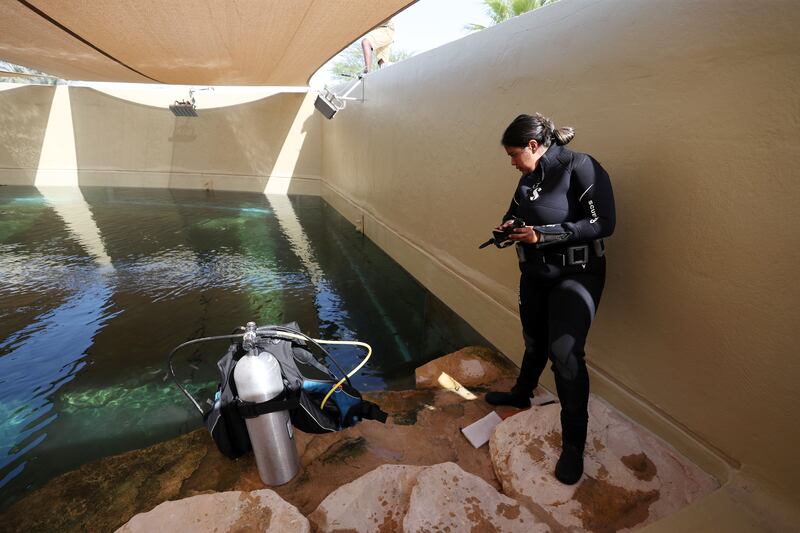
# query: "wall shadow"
{"points": [[24, 113]]}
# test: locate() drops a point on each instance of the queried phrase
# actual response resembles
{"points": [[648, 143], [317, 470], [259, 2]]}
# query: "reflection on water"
{"points": [[97, 287]]}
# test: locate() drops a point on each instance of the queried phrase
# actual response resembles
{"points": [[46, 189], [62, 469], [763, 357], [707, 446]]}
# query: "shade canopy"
{"points": [[193, 42]]}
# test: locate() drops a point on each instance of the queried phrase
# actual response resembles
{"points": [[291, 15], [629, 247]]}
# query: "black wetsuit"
{"points": [[569, 201]]}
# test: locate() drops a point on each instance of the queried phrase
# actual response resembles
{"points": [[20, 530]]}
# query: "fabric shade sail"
{"points": [[197, 42]]}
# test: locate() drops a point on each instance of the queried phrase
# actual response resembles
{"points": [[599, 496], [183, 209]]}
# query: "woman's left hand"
{"points": [[525, 235]]}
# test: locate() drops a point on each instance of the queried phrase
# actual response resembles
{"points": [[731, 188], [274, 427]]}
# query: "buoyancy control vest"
{"points": [[312, 407]]}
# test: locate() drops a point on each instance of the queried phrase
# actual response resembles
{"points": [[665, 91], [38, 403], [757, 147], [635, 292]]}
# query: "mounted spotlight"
{"points": [[186, 108], [329, 103]]}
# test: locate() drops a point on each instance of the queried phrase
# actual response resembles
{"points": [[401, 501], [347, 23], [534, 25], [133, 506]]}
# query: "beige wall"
{"points": [[274, 140], [692, 108]]}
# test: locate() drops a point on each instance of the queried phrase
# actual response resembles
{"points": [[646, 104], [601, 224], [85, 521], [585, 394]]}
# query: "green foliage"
{"points": [[502, 10], [350, 61], [26, 75]]}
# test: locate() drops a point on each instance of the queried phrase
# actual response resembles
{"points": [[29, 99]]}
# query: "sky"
{"points": [[431, 23], [428, 24]]}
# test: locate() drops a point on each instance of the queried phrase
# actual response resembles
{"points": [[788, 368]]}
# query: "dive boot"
{"points": [[569, 467], [514, 399]]}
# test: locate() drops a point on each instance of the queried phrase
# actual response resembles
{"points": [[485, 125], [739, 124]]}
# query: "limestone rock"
{"points": [[631, 477], [103, 495], [442, 497], [423, 429], [445, 498], [473, 366], [377, 501], [260, 510]]}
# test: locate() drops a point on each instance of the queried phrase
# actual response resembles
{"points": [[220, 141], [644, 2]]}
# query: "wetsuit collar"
{"points": [[547, 160], [551, 155]]}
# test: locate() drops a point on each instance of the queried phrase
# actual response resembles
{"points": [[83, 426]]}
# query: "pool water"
{"points": [[97, 285]]}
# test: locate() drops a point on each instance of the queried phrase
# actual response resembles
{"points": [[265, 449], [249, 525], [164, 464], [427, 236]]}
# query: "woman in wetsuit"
{"points": [[566, 202]]}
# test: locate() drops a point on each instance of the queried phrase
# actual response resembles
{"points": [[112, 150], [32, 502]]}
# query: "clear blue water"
{"points": [[98, 285]]}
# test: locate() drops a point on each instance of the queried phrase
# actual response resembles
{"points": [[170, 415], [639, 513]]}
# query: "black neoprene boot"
{"points": [[574, 397], [514, 399], [569, 467]]}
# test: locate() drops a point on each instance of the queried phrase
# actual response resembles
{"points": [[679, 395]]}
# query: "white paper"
{"points": [[447, 382], [478, 432]]}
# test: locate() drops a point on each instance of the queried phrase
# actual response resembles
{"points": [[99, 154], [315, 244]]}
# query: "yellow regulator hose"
{"points": [[350, 374]]}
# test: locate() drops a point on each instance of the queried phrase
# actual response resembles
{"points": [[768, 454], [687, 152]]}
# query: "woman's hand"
{"points": [[525, 235], [504, 225]]}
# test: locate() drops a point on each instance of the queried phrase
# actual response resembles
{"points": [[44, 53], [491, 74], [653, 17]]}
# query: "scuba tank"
{"points": [[258, 379]]}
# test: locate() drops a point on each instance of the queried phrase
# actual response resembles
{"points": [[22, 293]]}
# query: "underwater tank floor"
{"points": [[99, 284]]}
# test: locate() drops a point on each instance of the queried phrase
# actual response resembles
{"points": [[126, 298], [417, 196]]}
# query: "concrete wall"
{"points": [[24, 110], [58, 135], [692, 108]]}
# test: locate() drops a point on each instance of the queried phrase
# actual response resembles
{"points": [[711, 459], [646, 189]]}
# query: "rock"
{"points": [[260, 510], [442, 497], [377, 501], [423, 429], [445, 498], [473, 366], [631, 477], [103, 495]]}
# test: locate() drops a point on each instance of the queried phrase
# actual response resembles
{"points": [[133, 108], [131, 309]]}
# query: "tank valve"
{"points": [[250, 336]]}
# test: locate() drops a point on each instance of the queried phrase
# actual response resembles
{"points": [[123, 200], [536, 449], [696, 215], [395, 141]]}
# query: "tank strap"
{"points": [[283, 402]]}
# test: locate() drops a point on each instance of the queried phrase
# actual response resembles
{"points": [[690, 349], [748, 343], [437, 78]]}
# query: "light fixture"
{"points": [[186, 108], [329, 103]]}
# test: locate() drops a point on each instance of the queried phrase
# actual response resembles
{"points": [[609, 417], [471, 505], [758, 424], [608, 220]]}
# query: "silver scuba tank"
{"points": [[258, 379]]}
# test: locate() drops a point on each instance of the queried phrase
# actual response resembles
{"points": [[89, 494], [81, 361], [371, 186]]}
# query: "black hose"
{"points": [[187, 343]]}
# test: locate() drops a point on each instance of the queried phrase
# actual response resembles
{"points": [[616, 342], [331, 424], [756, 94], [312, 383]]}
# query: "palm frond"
{"points": [[474, 27], [498, 10], [502, 10]]}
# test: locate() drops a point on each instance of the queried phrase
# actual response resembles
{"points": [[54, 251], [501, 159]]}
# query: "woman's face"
{"points": [[522, 159]]}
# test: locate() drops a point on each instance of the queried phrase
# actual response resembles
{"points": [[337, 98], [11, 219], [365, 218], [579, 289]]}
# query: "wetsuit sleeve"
{"points": [[512, 209], [591, 183]]}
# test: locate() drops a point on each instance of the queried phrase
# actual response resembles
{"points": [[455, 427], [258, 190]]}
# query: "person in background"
{"points": [[567, 205], [380, 42]]}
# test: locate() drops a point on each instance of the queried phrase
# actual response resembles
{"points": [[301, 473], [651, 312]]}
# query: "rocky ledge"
{"points": [[415, 473]]}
